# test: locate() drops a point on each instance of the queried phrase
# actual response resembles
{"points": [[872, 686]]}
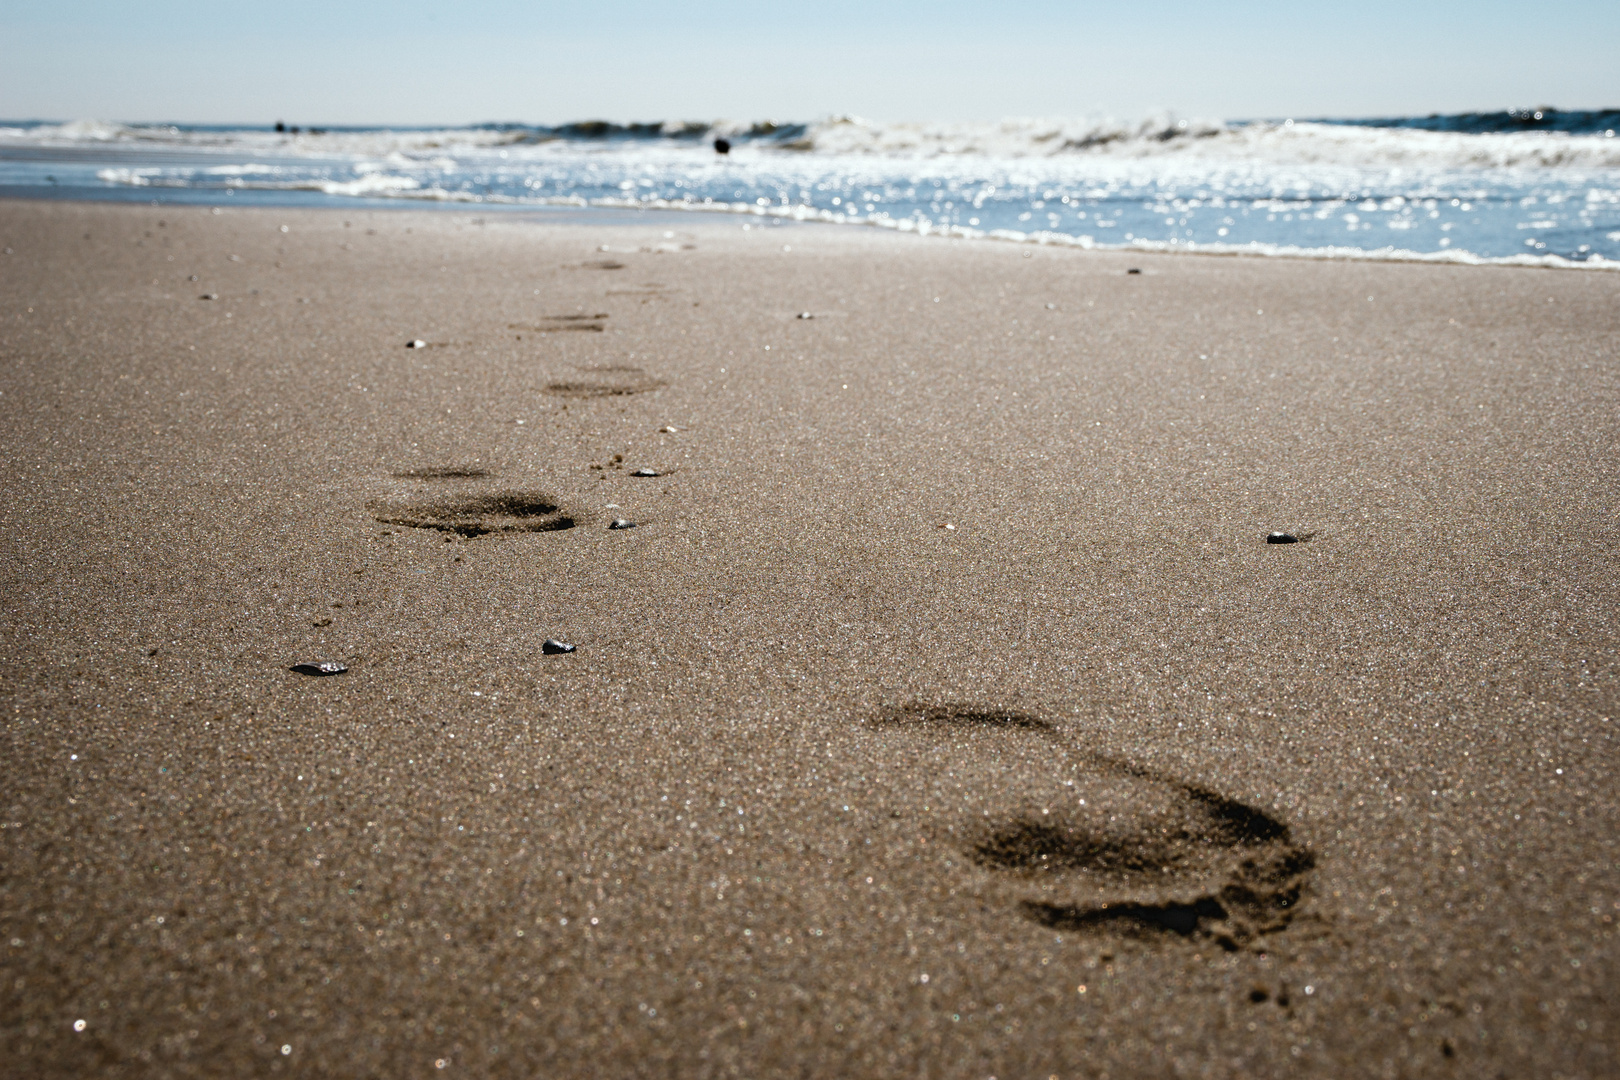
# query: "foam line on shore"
{"points": [[395, 187]]}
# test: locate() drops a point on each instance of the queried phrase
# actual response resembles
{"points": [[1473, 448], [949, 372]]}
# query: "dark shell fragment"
{"points": [[324, 667], [1281, 538], [645, 472], [552, 647], [621, 523]]}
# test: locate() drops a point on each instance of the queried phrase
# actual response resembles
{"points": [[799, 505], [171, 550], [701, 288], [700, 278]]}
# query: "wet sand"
{"points": [[946, 714]]}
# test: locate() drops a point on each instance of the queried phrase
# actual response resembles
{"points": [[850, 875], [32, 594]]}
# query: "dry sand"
{"points": [[1094, 784]]}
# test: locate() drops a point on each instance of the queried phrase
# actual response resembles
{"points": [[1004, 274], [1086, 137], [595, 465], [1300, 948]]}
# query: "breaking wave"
{"points": [[1470, 140]]}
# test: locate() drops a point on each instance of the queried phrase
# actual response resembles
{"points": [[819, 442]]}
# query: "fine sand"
{"points": [[946, 714]]}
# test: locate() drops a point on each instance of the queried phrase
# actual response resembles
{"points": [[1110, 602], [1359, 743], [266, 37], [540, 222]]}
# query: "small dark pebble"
{"points": [[325, 667], [1133, 270], [1281, 538], [620, 523], [645, 472], [552, 647], [209, 296]]}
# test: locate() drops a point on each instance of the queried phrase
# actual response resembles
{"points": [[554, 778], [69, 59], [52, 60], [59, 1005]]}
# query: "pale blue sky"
{"points": [[412, 61]]}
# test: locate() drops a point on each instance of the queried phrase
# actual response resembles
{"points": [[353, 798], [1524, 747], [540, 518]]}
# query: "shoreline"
{"points": [[672, 212], [946, 712]]}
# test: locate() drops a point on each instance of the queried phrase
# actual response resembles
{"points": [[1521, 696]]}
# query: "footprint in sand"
{"points": [[471, 514], [558, 324], [1080, 841], [605, 380]]}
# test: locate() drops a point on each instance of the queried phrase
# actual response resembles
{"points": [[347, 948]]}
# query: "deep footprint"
{"points": [[477, 515], [1153, 856]]}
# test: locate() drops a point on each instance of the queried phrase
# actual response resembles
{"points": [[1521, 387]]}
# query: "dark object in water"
{"points": [[722, 146], [1133, 270], [1281, 538], [552, 647], [645, 472], [325, 667], [620, 523], [280, 126]]}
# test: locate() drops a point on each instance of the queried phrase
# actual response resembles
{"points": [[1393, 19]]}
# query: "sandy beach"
{"points": [[945, 713]]}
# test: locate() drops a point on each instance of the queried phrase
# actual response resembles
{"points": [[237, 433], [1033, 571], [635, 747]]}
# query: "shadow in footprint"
{"points": [[1177, 918], [1118, 847], [477, 515]]}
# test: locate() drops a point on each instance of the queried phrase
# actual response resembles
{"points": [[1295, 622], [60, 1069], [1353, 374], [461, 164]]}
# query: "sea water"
{"points": [[1535, 187]]}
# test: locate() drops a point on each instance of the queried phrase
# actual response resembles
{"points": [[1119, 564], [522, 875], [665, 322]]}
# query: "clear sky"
{"points": [[418, 62]]}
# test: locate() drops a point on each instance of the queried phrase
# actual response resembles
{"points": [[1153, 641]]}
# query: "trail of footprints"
{"points": [[1095, 844], [471, 514], [1098, 844]]}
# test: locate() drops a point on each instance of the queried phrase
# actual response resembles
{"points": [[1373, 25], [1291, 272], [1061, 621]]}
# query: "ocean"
{"points": [[1532, 187]]}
